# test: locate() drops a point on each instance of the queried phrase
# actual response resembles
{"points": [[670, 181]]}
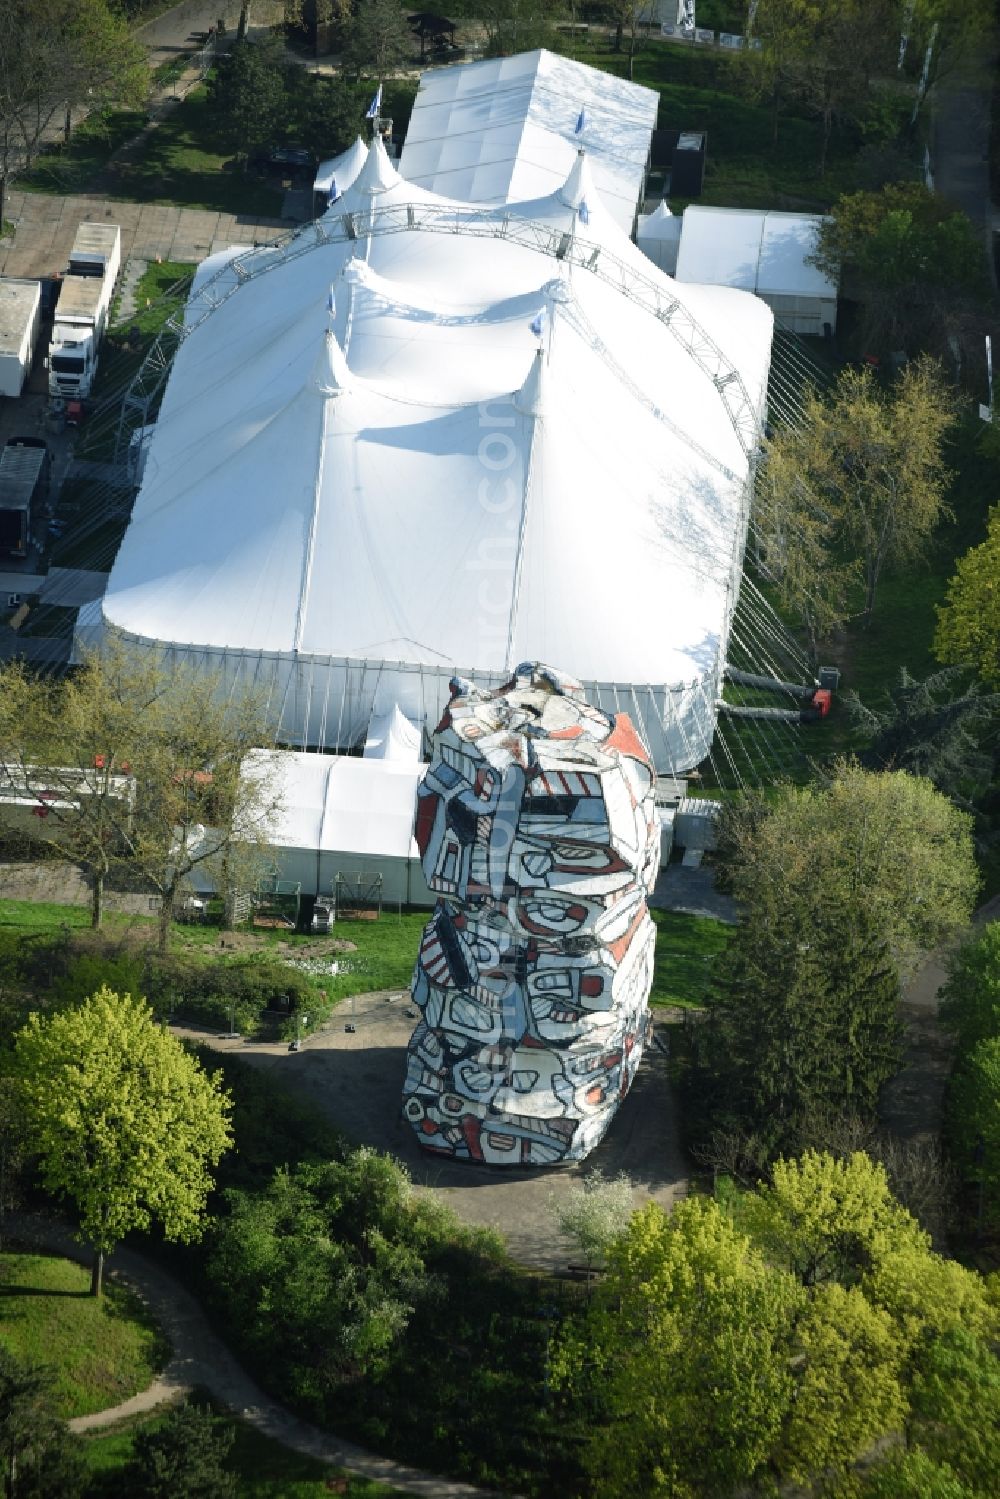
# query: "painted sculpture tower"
{"points": [[538, 832]]}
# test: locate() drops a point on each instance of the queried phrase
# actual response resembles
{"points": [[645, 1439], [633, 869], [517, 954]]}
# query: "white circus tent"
{"points": [[425, 437]]}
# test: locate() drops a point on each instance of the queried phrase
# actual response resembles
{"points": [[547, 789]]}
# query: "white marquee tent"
{"points": [[345, 815], [765, 252], [506, 130], [512, 439]]}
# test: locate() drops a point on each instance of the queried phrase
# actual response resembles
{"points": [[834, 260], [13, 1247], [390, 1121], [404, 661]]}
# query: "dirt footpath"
{"points": [[357, 1080]]}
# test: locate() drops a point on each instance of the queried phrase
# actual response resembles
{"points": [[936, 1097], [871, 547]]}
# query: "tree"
{"points": [[377, 40], [968, 627], [970, 998], [322, 1271], [518, 25], [37, 1457], [686, 1342], [796, 545], [917, 265], [125, 1122], [55, 55], [955, 1406], [801, 1025], [250, 93], [70, 746], [842, 888], [823, 56], [909, 1475], [137, 762], [777, 1336], [185, 1454], [974, 1116], [871, 465], [929, 728], [596, 1213]]}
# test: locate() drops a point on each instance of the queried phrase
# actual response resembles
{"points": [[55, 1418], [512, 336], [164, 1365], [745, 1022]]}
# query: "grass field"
{"points": [[102, 1351], [181, 162], [701, 89], [266, 1469], [687, 948], [387, 948]]}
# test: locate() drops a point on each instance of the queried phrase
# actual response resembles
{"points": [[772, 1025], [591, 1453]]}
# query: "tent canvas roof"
{"points": [[504, 130], [411, 481], [758, 251], [341, 804]]}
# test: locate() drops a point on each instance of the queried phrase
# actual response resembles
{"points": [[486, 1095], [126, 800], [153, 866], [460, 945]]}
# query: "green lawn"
{"points": [[74, 168], [102, 1351], [266, 1469], [179, 162], [182, 162], [686, 951], [700, 89]]}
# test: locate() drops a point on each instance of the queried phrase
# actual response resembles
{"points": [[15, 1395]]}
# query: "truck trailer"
{"points": [[24, 483], [82, 310], [20, 316]]}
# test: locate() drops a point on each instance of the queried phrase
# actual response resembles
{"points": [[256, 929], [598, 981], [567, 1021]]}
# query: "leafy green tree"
{"points": [[36, 1453], [685, 1348], [822, 55], [596, 1213], [842, 888], [870, 464], [56, 55], [70, 745], [251, 93], [908, 1475], [968, 628], [801, 1024], [779, 1335], [848, 1390], [186, 1454], [955, 1406], [321, 1272], [518, 25], [125, 1122], [377, 39], [916, 264], [883, 842], [974, 1116], [970, 998], [930, 728]]}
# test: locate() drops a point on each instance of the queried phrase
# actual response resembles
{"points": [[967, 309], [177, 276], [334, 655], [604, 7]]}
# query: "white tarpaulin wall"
{"points": [[765, 252], [505, 130], [658, 235], [345, 510], [345, 815]]}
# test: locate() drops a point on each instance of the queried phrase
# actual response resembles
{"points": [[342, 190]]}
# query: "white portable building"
{"points": [[512, 438], [765, 252], [507, 130], [20, 316], [342, 814], [658, 236]]}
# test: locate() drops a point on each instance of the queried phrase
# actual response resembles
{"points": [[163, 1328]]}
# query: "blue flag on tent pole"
{"points": [[375, 106], [538, 322], [581, 122], [584, 212]]}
